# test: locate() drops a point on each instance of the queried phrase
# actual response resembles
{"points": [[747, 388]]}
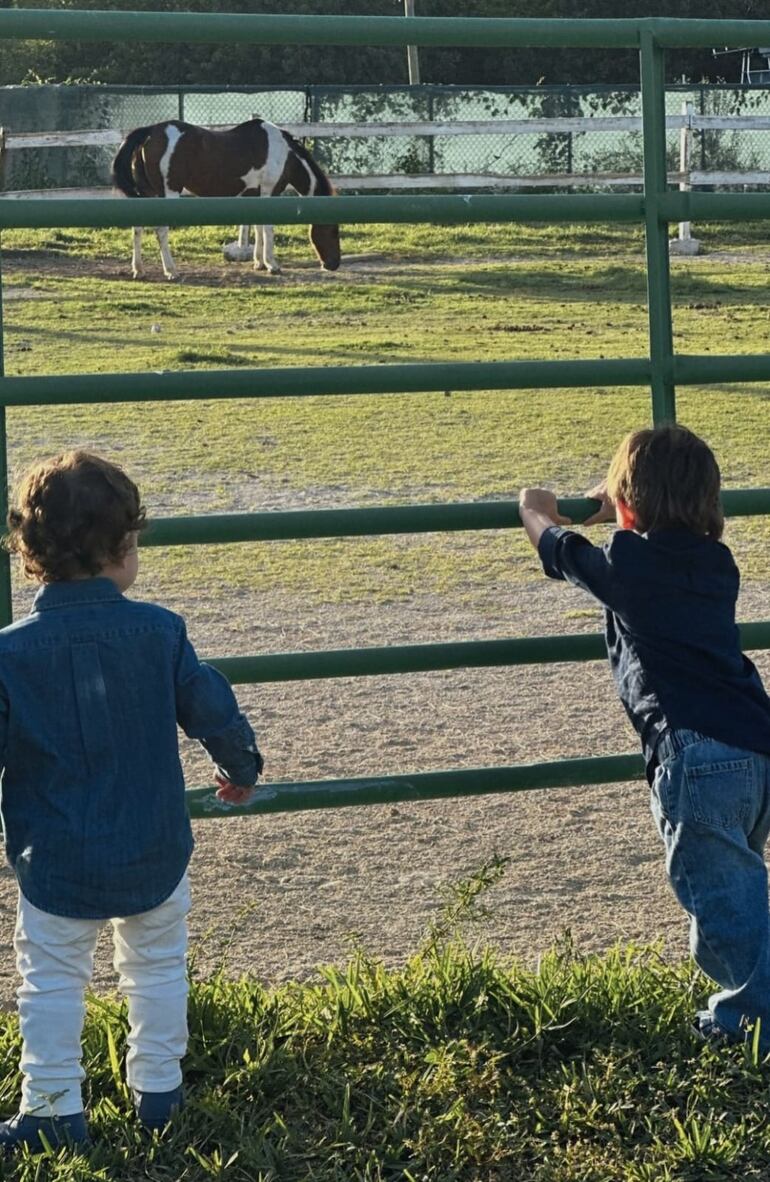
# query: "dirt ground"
{"points": [[277, 896]]}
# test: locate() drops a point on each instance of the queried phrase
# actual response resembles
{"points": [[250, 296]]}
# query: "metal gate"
{"points": [[662, 370]]}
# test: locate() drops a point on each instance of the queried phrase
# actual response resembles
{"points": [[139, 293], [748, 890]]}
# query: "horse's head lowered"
{"points": [[326, 243]]}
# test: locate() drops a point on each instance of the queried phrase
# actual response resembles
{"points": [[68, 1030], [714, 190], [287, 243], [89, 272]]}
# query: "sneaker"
{"points": [[708, 1030], [25, 1129], [155, 1109]]}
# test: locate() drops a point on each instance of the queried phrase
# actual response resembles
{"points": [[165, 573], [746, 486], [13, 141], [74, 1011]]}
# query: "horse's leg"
{"points": [[264, 259], [169, 266], [259, 249], [268, 258], [137, 270], [243, 237], [161, 232]]}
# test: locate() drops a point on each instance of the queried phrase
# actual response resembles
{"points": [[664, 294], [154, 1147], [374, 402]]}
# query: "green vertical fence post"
{"points": [[656, 230], [6, 608]]}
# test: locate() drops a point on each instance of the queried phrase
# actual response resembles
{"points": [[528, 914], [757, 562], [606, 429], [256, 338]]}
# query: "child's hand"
{"points": [[233, 793], [606, 512], [542, 500]]}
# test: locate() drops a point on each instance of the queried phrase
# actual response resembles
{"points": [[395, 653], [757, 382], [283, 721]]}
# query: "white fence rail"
{"points": [[108, 137]]}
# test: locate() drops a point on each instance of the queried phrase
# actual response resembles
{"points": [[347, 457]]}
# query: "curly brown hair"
{"points": [[669, 477], [72, 517]]}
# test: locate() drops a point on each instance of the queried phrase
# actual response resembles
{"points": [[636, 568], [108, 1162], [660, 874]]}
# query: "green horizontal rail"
{"points": [[298, 381], [704, 370], [280, 525], [439, 785], [211, 28], [423, 658], [315, 30], [746, 502], [434, 209], [713, 207], [451, 209], [411, 378], [383, 660], [672, 33]]}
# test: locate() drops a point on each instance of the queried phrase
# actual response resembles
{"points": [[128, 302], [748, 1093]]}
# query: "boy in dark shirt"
{"points": [[669, 588]]}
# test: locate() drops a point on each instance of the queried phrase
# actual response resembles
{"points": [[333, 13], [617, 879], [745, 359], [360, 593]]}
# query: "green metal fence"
{"points": [[663, 370]]}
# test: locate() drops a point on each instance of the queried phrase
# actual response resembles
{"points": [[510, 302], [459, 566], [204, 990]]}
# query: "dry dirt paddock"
{"points": [[276, 896]]}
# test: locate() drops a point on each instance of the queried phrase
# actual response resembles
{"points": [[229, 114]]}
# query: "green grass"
{"points": [[517, 292], [457, 1067], [403, 241]]}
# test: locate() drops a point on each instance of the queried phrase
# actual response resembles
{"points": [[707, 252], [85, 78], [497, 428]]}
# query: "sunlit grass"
{"points": [[463, 293], [457, 1066]]}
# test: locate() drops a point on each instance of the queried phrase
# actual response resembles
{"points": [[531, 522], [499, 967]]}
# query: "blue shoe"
{"points": [[709, 1030], [155, 1109], [25, 1129]]}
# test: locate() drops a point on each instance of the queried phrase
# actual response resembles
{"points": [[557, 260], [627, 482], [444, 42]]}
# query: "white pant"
{"points": [[55, 957]]}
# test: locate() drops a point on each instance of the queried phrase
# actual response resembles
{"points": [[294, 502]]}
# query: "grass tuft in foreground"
{"points": [[454, 1067]]}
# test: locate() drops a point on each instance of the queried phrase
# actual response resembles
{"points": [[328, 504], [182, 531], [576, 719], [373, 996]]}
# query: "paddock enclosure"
{"points": [[661, 372]]}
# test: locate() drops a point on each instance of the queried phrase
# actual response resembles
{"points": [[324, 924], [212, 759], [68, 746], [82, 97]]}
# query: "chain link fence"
{"points": [[524, 154]]}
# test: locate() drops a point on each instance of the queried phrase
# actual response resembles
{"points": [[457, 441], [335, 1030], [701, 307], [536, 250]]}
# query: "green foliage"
{"points": [[298, 65]]}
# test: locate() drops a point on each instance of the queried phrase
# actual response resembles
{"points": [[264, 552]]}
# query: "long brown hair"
{"points": [[668, 477]]}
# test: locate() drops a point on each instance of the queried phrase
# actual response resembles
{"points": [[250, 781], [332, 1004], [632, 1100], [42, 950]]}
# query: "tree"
{"points": [[151, 64]]}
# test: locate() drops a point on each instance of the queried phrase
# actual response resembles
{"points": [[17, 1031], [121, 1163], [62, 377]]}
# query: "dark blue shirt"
{"points": [[92, 687], [672, 640]]}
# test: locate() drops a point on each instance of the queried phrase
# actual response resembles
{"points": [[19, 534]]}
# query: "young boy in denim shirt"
{"points": [[92, 687], [669, 588]]}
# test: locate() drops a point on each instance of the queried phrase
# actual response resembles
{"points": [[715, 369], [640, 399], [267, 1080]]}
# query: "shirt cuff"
{"points": [[548, 549]]}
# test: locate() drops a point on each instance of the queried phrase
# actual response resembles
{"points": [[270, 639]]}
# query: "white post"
{"points": [[685, 243], [412, 60], [685, 155]]}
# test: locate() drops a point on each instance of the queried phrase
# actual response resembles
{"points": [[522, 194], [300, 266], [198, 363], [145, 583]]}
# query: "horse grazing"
{"points": [[254, 159]]}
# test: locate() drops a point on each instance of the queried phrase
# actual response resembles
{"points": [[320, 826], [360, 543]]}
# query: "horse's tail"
{"points": [[127, 176]]}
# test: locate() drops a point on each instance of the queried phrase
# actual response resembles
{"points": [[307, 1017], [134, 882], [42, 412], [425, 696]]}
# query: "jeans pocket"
{"points": [[721, 794]]}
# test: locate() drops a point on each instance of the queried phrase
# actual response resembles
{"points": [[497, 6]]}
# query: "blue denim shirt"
{"points": [[672, 640], [92, 687]]}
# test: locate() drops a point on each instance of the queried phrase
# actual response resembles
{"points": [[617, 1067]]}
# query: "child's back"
{"points": [[673, 643], [92, 689]]}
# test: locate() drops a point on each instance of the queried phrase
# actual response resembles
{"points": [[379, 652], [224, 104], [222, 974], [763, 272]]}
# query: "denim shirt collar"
{"points": [[75, 593]]}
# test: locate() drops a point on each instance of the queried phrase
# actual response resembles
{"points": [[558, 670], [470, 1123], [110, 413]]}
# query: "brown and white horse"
{"points": [[251, 160]]}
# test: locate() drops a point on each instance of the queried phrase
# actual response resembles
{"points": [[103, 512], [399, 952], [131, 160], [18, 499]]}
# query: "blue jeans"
{"points": [[711, 804]]}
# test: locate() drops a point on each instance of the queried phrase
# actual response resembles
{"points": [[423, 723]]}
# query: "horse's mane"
{"points": [[324, 187]]}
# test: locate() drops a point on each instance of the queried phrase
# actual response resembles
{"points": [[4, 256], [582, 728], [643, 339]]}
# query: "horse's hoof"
{"points": [[260, 267], [171, 276], [274, 270], [137, 274]]}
